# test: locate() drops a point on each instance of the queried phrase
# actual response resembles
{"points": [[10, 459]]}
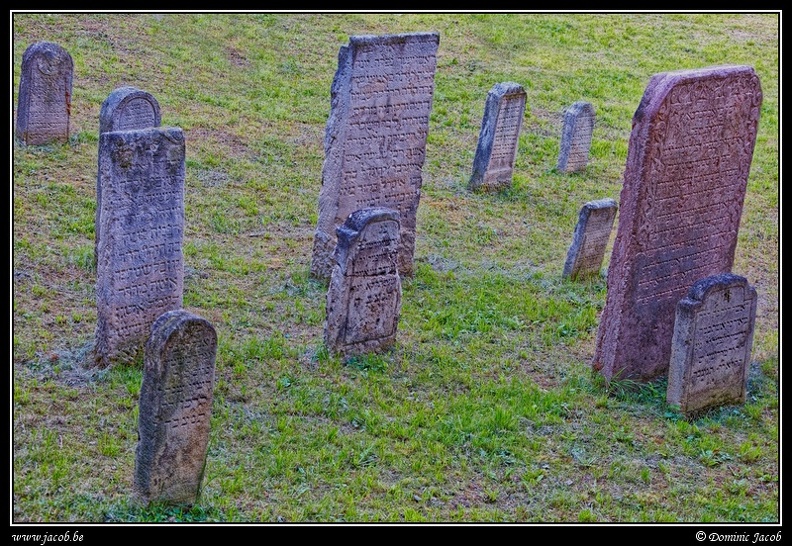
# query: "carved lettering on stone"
{"points": [[175, 408], [576, 137], [585, 255], [711, 346], [45, 92], [680, 206], [496, 152], [375, 139], [364, 297], [140, 271]]}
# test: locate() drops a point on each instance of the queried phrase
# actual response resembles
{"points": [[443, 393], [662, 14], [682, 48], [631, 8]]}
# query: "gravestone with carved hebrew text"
{"points": [[140, 265], [688, 160], [496, 152], [364, 297], [592, 232], [175, 409], [375, 139], [45, 95], [576, 137], [126, 108], [711, 346]]}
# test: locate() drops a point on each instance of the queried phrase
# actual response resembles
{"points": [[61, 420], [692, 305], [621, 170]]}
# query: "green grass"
{"points": [[485, 410]]}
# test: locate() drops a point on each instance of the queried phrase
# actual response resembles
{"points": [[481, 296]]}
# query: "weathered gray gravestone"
{"points": [[496, 152], [585, 255], [175, 409], [684, 184], [375, 139], [124, 109], [576, 137], [128, 108], [711, 346], [364, 297], [45, 92], [140, 271]]}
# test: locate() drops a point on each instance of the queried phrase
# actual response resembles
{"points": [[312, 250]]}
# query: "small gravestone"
{"points": [[364, 297], [585, 255], [493, 164], [375, 139], [140, 272], [124, 109], [576, 137], [175, 409], [129, 108], [688, 160], [45, 93], [711, 346]]}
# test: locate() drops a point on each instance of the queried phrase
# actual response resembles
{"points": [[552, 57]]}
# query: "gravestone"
{"points": [[493, 164], [45, 92], [124, 109], [711, 345], [128, 108], [140, 272], [375, 139], [175, 409], [684, 184], [364, 297], [585, 255], [576, 137]]}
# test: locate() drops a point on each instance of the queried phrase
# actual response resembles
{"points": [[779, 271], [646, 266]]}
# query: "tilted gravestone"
{"points": [[128, 108], [175, 409], [124, 109], [585, 255], [140, 269], [711, 346], [45, 93], [687, 167], [576, 137], [496, 152], [364, 297], [375, 139]]}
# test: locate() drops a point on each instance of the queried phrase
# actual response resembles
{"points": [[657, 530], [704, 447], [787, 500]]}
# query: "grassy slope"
{"points": [[485, 410]]}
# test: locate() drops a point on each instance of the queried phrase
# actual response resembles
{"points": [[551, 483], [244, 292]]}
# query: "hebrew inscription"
{"points": [[684, 185], [175, 408], [45, 91], [576, 137], [496, 152], [128, 108], [711, 346], [585, 255], [375, 139], [140, 272], [364, 297]]}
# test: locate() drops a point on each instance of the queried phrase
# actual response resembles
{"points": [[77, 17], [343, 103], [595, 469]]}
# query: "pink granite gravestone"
{"points": [[375, 140], [687, 168]]}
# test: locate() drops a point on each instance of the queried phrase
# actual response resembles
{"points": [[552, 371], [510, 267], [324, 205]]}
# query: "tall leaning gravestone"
{"points": [[45, 92], [496, 151], [140, 265], [684, 184], [175, 408], [375, 139], [711, 347]]}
